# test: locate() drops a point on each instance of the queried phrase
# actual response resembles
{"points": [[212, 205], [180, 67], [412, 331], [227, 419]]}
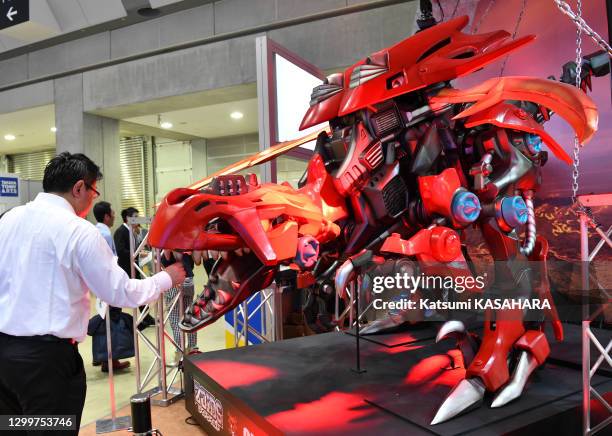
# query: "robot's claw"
{"points": [[451, 328], [527, 363], [467, 394], [466, 343], [343, 275], [380, 325]]}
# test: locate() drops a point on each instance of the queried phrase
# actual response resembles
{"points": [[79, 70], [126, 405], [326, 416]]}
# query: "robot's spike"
{"points": [[526, 365], [467, 394]]}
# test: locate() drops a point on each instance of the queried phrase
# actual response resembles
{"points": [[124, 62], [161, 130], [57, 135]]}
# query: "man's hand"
{"points": [[177, 273]]}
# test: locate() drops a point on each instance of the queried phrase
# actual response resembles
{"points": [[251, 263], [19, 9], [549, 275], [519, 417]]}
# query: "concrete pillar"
{"points": [[93, 135], [198, 159], [3, 164]]}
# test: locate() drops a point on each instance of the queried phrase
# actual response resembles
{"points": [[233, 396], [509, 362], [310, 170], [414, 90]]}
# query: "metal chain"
{"points": [[577, 145], [484, 15], [455, 10], [582, 25], [441, 10], [516, 27]]}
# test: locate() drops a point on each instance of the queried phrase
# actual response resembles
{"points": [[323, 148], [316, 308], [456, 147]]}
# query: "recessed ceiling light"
{"points": [[53, 129], [9, 137], [166, 125], [236, 115]]}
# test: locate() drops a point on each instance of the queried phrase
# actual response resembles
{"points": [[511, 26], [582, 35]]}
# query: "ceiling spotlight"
{"points": [[53, 129], [163, 124], [236, 115], [9, 137]]}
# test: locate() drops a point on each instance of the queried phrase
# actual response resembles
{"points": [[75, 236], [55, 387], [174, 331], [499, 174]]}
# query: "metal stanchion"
{"points": [[589, 391], [270, 309], [114, 423], [158, 367]]}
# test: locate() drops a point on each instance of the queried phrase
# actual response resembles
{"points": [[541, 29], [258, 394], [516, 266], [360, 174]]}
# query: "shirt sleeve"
{"points": [[101, 274]]}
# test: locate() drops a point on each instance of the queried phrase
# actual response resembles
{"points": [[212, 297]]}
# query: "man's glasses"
{"points": [[88, 186]]}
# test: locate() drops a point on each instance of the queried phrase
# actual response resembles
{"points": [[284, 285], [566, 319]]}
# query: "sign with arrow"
{"points": [[13, 12]]}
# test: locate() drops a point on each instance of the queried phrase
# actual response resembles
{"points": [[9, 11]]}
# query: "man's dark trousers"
{"points": [[41, 377]]}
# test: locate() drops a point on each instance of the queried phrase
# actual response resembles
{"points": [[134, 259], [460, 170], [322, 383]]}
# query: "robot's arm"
{"points": [[593, 65]]}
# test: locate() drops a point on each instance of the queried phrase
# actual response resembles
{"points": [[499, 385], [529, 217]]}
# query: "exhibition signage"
{"points": [[9, 187], [13, 12], [218, 411]]}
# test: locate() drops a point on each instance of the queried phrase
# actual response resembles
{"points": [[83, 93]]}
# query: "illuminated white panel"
{"points": [[293, 88]]}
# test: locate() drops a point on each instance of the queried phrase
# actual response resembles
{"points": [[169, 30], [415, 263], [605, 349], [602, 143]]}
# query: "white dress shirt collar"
{"points": [[54, 200]]}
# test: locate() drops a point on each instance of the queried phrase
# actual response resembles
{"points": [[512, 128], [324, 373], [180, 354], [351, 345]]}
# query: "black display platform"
{"points": [[305, 386]]}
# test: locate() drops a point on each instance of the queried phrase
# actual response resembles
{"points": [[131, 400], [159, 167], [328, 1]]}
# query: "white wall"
{"points": [[173, 166]]}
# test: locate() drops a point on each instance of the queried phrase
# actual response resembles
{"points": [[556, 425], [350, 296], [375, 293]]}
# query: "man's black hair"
{"points": [[101, 209], [125, 213], [65, 169]]}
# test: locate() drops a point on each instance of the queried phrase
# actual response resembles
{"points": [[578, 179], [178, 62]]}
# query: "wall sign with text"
{"points": [[9, 187]]}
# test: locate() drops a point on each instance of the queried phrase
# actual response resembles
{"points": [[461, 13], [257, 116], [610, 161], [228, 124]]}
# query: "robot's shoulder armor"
{"points": [[490, 107]]}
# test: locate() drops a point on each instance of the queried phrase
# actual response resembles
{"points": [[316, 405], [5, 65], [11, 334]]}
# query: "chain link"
{"points": [[582, 25], [516, 27], [455, 10], [484, 15], [577, 145]]}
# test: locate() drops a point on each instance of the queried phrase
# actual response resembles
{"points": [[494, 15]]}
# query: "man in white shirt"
{"points": [[49, 258]]}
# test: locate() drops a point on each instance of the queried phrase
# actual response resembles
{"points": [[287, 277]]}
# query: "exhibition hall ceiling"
{"points": [[211, 121], [31, 129], [50, 18], [54, 21]]}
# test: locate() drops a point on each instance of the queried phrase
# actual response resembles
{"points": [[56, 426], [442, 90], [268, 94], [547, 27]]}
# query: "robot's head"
{"points": [[438, 54]]}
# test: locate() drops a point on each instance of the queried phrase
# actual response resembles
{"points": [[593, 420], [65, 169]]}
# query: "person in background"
{"points": [[188, 290], [122, 243], [105, 217], [51, 258]]}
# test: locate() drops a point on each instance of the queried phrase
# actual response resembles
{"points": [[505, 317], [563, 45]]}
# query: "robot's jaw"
{"points": [[235, 276]]}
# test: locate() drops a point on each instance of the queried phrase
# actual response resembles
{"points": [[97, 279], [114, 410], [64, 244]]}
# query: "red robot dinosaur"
{"points": [[406, 165]]}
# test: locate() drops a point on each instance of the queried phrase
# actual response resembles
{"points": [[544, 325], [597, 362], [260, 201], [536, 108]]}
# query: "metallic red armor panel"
{"points": [[434, 55], [536, 343], [360, 159], [573, 105], [439, 244], [490, 363], [508, 116], [437, 192]]}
